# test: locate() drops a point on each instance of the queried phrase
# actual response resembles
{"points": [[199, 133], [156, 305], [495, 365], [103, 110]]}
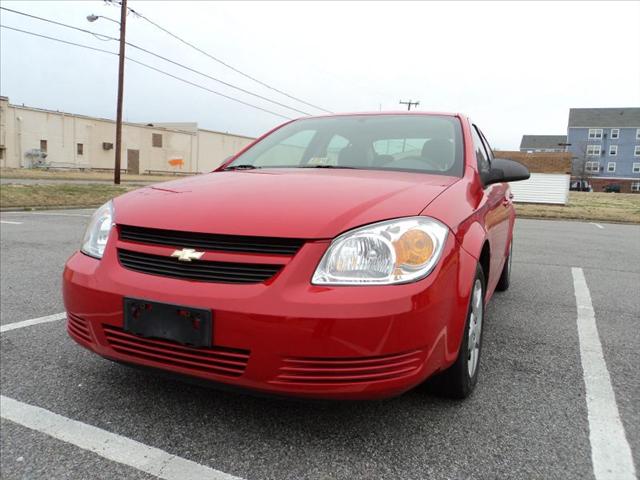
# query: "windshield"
{"points": [[421, 143]]}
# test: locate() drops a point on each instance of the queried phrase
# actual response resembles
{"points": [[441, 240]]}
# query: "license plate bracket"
{"points": [[185, 325]]}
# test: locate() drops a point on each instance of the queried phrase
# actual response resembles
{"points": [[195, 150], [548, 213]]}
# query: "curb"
{"points": [[48, 207], [583, 220]]}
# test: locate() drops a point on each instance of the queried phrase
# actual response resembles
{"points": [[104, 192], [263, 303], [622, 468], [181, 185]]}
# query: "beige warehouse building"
{"points": [[33, 137]]}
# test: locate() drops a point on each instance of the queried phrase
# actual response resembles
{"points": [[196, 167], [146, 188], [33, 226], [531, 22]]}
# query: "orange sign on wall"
{"points": [[176, 163]]}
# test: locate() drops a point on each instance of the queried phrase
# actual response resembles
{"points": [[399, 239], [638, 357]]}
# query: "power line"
{"points": [[246, 75], [216, 79], [97, 35], [188, 82], [58, 40], [107, 37]]}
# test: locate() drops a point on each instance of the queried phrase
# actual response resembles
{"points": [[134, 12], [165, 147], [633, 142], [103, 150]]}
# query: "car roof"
{"points": [[399, 112]]}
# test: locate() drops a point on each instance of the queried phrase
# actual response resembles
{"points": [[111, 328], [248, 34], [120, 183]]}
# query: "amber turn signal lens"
{"points": [[413, 249]]}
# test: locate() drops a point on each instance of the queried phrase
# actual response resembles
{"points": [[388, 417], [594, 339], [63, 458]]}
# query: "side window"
{"points": [[481, 154], [399, 147], [486, 146]]}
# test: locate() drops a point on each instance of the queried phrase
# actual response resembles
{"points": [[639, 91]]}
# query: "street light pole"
{"points": [[123, 27]]}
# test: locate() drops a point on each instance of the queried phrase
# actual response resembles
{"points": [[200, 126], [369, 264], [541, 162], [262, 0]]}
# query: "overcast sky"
{"points": [[515, 68]]}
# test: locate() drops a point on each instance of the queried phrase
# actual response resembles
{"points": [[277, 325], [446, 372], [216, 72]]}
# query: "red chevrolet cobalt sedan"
{"points": [[345, 257]]}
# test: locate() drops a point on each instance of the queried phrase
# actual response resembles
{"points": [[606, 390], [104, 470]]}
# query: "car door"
{"points": [[496, 209], [508, 211]]}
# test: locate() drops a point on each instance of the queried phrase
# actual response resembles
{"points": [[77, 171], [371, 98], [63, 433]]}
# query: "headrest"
{"points": [[438, 149]]}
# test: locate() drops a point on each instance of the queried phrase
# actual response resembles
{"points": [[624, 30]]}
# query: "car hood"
{"points": [[297, 203]]}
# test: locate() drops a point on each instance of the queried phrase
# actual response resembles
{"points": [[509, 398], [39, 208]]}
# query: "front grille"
{"points": [[201, 270], [225, 361], [323, 371], [78, 328], [208, 241]]}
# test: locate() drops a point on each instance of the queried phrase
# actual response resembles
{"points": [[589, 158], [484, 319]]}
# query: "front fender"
{"points": [[471, 238], [466, 274]]}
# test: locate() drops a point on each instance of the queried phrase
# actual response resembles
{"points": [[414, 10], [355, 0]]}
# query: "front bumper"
{"points": [[286, 336]]}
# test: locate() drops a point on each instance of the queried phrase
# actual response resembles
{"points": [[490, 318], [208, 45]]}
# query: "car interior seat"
{"points": [[353, 155], [438, 153]]}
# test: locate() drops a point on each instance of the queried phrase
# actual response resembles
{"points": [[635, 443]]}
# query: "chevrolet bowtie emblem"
{"points": [[187, 254]]}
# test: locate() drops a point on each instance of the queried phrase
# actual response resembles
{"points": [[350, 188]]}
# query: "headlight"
{"points": [[395, 251], [97, 234]]}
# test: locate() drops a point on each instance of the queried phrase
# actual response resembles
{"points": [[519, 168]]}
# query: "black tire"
{"points": [[457, 382], [505, 276]]}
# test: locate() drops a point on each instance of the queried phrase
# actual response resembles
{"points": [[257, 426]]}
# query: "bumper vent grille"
{"points": [[204, 271], [325, 371], [224, 361], [213, 242], [78, 328]]}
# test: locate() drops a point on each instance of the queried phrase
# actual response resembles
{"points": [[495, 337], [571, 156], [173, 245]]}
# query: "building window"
{"points": [[80, 149], [611, 167], [43, 145], [592, 167], [593, 150], [635, 186], [156, 140], [636, 151], [613, 150], [615, 133], [595, 133], [636, 167]]}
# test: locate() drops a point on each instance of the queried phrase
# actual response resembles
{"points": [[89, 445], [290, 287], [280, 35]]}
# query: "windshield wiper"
{"points": [[326, 166], [241, 167]]}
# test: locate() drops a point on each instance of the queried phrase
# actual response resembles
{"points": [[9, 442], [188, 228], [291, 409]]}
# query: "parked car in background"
{"points": [[580, 186], [612, 188], [345, 257]]}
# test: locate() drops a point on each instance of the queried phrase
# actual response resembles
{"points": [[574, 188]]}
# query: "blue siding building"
{"points": [[605, 143]]}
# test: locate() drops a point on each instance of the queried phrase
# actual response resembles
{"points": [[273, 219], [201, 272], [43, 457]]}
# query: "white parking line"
{"points": [[610, 450], [34, 321], [109, 445], [10, 223], [596, 224]]}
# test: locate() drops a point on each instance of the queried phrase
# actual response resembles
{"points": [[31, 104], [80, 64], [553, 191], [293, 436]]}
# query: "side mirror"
{"points": [[505, 170]]}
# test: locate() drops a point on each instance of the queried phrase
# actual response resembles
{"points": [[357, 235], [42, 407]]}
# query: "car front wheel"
{"points": [[460, 379]]}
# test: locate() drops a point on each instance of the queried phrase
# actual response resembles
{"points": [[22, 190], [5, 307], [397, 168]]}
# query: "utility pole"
{"points": [[409, 103], [123, 28]]}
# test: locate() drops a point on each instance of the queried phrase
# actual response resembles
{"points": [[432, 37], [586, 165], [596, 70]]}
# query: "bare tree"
{"points": [[579, 168]]}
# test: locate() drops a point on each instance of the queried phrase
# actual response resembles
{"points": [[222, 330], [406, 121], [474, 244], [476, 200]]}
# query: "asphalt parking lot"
{"points": [[528, 418]]}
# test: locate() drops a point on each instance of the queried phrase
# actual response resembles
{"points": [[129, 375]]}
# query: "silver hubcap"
{"points": [[475, 328]]}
